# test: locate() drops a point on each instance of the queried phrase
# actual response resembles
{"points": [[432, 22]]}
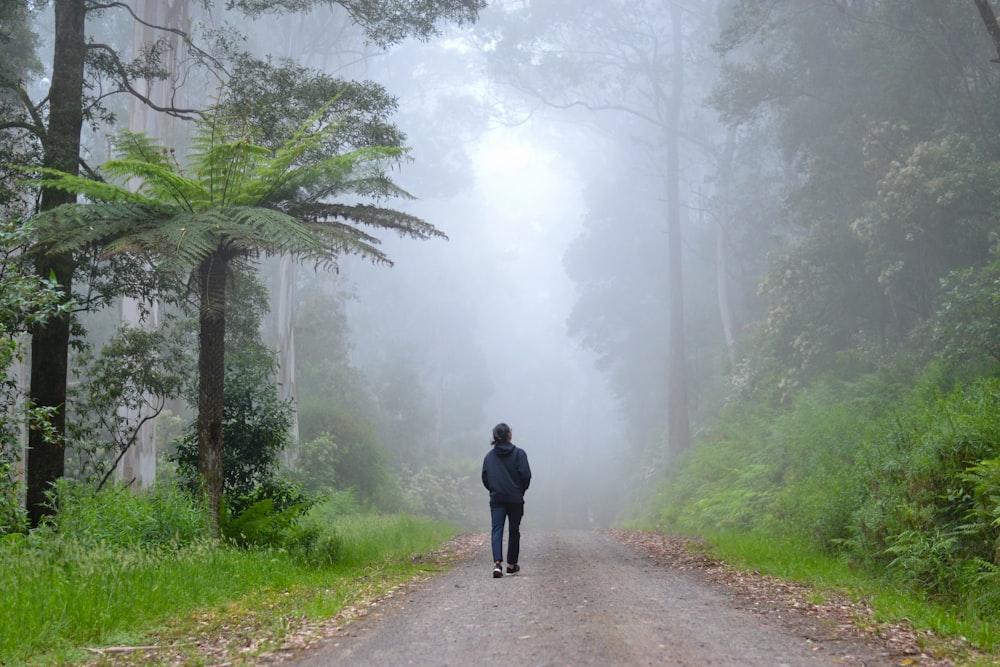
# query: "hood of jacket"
{"points": [[504, 448]]}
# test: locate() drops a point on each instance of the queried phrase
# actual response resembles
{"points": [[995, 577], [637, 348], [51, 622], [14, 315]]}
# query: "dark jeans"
{"points": [[512, 512]]}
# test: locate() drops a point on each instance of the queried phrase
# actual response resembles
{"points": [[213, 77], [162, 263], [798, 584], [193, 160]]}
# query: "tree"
{"points": [[25, 301], [881, 115], [84, 74], [240, 200], [634, 65]]}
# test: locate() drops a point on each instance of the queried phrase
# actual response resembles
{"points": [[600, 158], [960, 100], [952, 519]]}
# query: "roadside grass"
{"points": [[62, 596], [795, 559]]}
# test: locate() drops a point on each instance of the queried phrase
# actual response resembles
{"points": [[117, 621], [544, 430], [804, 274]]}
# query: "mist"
{"points": [[549, 305], [484, 315]]}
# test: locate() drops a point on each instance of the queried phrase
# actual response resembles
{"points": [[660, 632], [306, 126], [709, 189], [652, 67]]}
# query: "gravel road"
{"points": [[584, 598]]}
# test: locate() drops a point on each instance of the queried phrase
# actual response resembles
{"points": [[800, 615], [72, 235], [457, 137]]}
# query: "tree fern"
{"points": [[236, 199]]}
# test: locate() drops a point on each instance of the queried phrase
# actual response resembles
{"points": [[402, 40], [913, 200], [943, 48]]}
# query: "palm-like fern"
{"points": [[235, 198]]}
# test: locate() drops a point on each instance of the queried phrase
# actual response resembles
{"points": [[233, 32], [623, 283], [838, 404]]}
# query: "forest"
{"points": [[273, 269]]}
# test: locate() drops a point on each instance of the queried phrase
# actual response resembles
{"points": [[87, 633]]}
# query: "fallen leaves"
{"points": [[828, 617]]}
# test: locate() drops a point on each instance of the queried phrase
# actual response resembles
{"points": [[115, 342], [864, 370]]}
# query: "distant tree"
{"points": [[239, 200], [881, 114], [635, 64]]}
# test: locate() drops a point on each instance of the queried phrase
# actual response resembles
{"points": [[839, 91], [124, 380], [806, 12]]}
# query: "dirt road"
{"points": [[585, 598]]}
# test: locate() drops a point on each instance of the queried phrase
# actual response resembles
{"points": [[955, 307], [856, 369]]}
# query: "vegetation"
{"points": [[114, 567], [896, 484], [846, 406]]}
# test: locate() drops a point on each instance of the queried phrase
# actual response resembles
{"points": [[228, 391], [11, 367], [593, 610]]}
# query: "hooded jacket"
{"points": [[506, 473]]}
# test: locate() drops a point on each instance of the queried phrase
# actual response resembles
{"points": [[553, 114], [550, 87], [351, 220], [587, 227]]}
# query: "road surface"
{"points": [[584, 598]]}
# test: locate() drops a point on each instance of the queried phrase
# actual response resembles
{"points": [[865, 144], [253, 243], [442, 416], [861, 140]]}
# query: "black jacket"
{"points": [[506, 473]]}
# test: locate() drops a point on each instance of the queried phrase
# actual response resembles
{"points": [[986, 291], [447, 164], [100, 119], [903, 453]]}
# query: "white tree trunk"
{"points": [[284, 313], [138, 466]]}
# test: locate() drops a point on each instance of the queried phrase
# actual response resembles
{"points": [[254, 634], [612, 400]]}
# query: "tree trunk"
{"points": [[211, 379], [678, 429], [722, 246], [50, 343], [137, 467], [990, 21]]}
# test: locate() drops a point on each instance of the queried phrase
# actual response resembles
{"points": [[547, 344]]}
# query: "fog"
{"points": [[548, 305], [499, 282], [485, 313]]}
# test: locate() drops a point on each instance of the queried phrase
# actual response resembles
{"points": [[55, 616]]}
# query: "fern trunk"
{"points": [[50, 342], [211, 379]]}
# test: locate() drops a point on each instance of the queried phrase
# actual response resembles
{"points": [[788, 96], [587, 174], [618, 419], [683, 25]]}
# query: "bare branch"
{"points": [[127, 87], [185, 37]]}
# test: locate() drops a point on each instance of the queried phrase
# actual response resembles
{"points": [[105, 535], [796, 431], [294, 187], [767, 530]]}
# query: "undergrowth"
{"points": [[896, 479], [117, 566]]}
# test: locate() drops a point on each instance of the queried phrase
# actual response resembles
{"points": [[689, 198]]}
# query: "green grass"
{"points": [[60, 595], [794, 559]]}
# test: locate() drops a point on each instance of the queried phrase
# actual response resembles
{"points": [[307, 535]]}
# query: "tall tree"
{"points": [[56, 124], [634, 65], [240, 200], [60, 139], [882, 114]]}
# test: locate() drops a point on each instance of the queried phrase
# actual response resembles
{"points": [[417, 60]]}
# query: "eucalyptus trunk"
{"points": [[211, 379], [46, 461], [678, 429]]}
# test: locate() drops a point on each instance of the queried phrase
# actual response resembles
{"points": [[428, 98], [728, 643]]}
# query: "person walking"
{"points": [[506, 475]]}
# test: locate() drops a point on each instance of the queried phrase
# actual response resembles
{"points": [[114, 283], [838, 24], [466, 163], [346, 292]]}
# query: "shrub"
{"points": [[119, 517], [929, 513], [255, 431]]}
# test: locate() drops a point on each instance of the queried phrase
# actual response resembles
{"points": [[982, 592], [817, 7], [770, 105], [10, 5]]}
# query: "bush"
{"points": [[930, 511], [446, 492], [255, 427], [118, 517]]}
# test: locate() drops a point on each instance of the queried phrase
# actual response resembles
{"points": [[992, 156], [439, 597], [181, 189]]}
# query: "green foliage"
{"points": [[62, 593], [255, 427], [25, 301], [261, 525], [449, 492], [928, 514], [368, 538], [385, 22], [235, 194], [966, 326], [127, 385], [120, 518], [353, 460], [900, 474]]}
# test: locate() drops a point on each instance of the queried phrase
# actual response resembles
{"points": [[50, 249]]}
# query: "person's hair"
{"points": [[501, 434]]}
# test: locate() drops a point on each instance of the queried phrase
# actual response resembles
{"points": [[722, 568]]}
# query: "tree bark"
{"points": [[678, 428], [50, 342], [723, 288], [990, 21], [211, 380]]}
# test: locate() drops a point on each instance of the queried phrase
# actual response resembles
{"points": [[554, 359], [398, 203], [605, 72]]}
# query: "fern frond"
{"points": [[72, 227], [140, 147], [271, 231], [183, 239], [160, 182], [78, 185], [323, 214]]}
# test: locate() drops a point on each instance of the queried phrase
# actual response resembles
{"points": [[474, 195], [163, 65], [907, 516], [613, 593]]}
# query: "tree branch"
{"points": [[126, 86], [185, 37]]}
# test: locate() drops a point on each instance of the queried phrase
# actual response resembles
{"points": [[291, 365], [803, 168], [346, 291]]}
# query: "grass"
{"points": [[61, 595], [796, 560]]}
